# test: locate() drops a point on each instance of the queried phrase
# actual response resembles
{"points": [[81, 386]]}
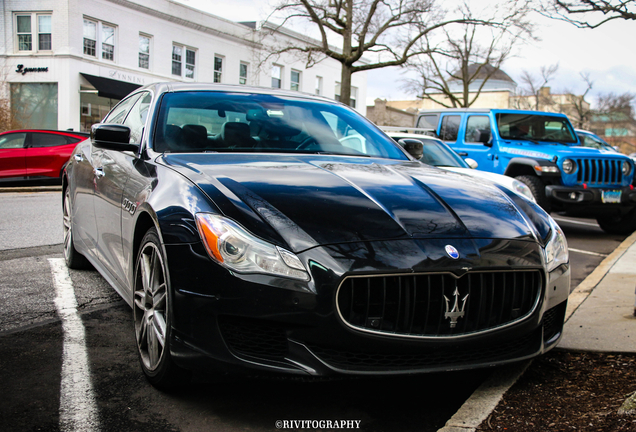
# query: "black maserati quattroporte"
{"points": [[253, 229]]}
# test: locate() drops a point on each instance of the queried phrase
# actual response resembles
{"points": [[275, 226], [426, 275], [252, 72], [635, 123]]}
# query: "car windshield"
{"points": [[206, 121], [534, 127], [593, 141], [436, 153]]}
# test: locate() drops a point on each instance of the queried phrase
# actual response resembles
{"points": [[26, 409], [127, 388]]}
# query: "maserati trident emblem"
{"points": [[456, 312], [451, 251]]}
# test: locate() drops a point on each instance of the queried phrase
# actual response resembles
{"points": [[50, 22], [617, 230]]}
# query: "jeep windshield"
{"points": [[535, 127]]}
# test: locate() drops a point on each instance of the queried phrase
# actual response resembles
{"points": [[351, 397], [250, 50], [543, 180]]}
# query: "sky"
{"points": [[606, 53]]}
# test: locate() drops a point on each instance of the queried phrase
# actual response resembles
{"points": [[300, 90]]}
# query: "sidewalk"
{"points": [[600, 317]]}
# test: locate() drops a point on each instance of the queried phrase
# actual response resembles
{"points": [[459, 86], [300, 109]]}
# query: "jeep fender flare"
{"points": [[528, 166]]}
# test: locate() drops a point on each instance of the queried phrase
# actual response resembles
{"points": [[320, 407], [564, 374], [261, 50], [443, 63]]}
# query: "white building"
{"points": [[65, 63]]}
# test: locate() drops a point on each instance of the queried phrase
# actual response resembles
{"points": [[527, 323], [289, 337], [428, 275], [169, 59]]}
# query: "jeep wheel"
{"points": [[623, 225], [537, 188]]}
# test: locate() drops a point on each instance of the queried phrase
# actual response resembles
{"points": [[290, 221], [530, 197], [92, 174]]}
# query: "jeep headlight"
{"points": [[627, 168], [234, 247], [556, 249], [569, 166]]}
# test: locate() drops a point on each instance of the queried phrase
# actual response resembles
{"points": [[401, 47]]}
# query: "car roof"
{"points": [[53, 131], [488, 110], [171, 87], [410, 135]]}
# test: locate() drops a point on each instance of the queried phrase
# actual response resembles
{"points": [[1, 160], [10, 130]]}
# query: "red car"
{"points": [[36, 154]]}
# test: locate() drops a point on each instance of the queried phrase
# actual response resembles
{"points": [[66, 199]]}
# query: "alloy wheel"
{"points": [[150, 306]]}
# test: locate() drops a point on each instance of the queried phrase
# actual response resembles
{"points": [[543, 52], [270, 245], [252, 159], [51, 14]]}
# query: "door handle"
{"points": [[78, 157], [99, 172], [462, 154]]}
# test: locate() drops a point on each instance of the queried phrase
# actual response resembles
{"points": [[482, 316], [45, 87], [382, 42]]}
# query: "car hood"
{"points": [[312, 200]]}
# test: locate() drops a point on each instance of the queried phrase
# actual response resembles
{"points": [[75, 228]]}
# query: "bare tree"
{"points": [[530, 95], [578, 109], [582, 12], [454, 73], [388, 29]]}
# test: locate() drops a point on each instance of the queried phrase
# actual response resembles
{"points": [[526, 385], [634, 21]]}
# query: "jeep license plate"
{"points": [[611, 196]]}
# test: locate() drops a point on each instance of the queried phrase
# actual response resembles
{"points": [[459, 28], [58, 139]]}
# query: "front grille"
{"points": [[438, 305], [254, 338], [441, 357], [604, 172]]}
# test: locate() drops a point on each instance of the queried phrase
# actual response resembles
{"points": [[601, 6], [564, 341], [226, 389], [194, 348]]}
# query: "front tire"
{"points": [[152, 316], [538, 190], [623, 225], [74, 259]]}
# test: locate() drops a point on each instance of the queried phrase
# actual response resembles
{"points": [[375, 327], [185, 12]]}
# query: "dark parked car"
{"points": [[36, 154], [248, 236]]}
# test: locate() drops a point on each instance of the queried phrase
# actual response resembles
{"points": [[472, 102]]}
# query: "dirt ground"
{"points": [[569, 391]]}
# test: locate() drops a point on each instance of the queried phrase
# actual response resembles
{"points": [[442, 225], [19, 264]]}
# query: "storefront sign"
{"points": [[121, 76], [23, 70]]}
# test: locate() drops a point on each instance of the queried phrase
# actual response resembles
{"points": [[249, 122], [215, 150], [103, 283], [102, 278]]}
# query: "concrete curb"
{"points": [[30, 189], [485, 399]]}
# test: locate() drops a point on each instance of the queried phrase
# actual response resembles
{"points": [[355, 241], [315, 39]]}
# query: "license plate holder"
{"points": [[611, 196]]}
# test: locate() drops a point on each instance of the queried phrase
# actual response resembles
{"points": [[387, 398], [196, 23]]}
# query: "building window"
{"points": [[99, 39], [277, 73], [218, 69], [295, 80], [34, 105], [33, 27], [353, 97], [177, 53], [243, 69], [190, 60], [90, 37], [108, 42], [177, 61], [144, 51], [318, 85]]}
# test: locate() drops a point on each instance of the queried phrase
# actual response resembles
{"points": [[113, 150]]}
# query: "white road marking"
{"points": [[78, 410], [587, 252], [575, 222]]}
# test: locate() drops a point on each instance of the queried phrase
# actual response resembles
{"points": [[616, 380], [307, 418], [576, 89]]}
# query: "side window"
{"points": [[136, 120], [47, 140], [118, 114], [474, 126], [428, 121], [12, 141], [450, 127]]}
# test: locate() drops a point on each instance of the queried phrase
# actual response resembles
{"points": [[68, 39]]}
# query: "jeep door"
{"points": [[475, 141]]}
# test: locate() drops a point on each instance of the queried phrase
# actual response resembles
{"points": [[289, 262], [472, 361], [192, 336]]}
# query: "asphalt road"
{"points": [[35, 380]]}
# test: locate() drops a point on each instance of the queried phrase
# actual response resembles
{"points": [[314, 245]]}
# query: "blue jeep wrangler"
{"points": [[542, 150]]}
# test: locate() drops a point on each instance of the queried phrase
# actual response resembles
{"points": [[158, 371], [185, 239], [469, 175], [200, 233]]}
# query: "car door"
{"points": [[13, 155], [483, 153], [112, 169], [82, 189], [47, 153]]}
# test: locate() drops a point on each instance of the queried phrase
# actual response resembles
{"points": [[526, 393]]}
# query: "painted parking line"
{"points": [[587, 252], [575, 222], [78, 410]]}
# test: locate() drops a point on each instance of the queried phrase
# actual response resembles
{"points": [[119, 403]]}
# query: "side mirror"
{"points": [[482, 136], [112, 137], [471, 163], [413, 147]]}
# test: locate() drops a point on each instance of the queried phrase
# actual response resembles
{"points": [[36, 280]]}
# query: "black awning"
{"points": [[110, 88]]}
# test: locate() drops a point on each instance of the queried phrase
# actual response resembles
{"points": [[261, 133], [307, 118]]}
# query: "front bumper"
{"points": [[591, 201], [266, 324]]}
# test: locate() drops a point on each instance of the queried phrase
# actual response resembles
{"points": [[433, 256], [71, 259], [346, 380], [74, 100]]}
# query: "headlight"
{"points": [[627, 168], [569, 166], [234, 247], [556, 250], [522, 189]]}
